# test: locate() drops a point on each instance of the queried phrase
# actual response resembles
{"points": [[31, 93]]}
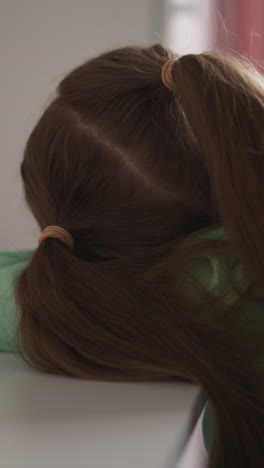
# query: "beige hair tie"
{"points": [[166, 75], [59, 233]]}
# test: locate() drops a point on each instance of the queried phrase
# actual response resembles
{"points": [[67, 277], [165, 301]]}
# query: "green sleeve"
{"points": [[11, 265], [207, 426]]}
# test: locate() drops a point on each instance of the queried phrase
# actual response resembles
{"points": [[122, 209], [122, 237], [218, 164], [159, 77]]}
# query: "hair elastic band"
{"points": [[166, 75], [59, 233]]}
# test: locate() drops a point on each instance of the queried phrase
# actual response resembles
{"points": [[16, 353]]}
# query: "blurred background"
{"points": [[40, 40], [233, 25]]}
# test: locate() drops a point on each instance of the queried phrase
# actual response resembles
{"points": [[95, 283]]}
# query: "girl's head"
{"points": [[131, 169]]}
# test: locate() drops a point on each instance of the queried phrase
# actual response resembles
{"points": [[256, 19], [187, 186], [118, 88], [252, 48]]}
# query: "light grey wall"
{"points": [[39, 42]]}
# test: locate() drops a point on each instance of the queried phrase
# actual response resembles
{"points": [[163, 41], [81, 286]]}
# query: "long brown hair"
{"points": [[132, 170]]}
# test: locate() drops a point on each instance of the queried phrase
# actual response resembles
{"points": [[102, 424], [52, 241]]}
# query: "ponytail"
{"points": [[225, 111]]}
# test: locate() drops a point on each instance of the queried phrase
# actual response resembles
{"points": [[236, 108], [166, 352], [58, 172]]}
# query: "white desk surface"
{"points": [[52, 421]]}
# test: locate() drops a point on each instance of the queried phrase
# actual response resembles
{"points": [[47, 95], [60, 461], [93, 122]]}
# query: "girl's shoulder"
{"points": [[220, 272]]}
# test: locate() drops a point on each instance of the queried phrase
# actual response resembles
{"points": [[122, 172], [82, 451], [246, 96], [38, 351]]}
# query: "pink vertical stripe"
{"points": [[244, 23]]}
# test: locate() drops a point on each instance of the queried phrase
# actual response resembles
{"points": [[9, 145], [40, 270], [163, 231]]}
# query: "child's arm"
{"points": [[11, 265]]}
